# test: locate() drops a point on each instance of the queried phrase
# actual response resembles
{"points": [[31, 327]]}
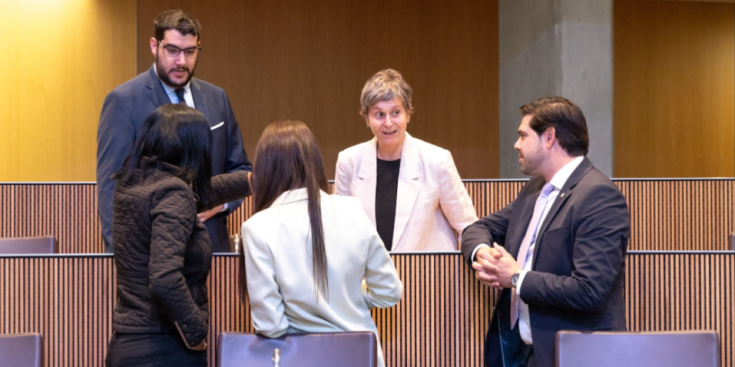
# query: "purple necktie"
{"points": [[528, 239]]}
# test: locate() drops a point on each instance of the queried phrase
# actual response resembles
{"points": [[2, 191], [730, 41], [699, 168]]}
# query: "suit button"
{"points": [[183, 327], [188, 335]]}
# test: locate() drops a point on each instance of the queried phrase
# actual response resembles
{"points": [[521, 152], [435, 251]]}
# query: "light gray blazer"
{"points": [[432, 204], [279, 268]]}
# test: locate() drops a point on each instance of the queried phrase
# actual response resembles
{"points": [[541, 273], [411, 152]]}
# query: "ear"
{"points": [[549, 137], [154, 46]]}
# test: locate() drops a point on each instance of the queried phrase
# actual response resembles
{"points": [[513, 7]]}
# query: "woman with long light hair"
{"points": [[312, 262]]}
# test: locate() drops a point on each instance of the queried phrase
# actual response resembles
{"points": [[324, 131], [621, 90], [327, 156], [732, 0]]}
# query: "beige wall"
{"points": [[674, 104], [308, 60], [60, 59], [674, 77]]}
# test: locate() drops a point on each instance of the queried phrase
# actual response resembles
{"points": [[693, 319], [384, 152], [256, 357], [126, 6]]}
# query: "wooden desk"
{"points": [[441, 320]]}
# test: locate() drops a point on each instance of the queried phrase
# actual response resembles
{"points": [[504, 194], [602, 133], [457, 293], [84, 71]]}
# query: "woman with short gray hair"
{"points": [[410, 189]]}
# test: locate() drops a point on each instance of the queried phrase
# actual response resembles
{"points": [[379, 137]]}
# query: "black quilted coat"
{"points": [[163, 253]]}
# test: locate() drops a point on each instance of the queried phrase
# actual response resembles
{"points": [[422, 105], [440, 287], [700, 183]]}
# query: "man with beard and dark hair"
{"points": [[558, 250], [176, 48]]}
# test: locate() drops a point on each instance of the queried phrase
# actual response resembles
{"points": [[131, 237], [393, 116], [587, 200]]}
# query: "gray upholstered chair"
{"points": [[637, 349], [354, 349], [21, 350], [29, 245]]}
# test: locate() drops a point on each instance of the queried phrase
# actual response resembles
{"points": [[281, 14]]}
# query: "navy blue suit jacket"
{"points": [[576, 281], [123, 113]]}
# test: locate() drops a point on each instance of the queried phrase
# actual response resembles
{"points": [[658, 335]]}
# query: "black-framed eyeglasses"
{"points": [[173, 51]]}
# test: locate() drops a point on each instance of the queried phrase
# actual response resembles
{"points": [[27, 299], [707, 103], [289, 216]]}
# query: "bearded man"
{"points": [[558, 250], [176, 47]]}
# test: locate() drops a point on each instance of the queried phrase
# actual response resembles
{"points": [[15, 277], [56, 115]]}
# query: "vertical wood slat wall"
{"points": [[695, 215], [672, 215], [441, 320], [65, 211], [683, 291], [68, 300]]}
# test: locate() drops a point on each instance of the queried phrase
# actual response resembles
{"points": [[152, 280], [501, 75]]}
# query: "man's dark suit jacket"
{"points": [[123, 113], [576, 281]]}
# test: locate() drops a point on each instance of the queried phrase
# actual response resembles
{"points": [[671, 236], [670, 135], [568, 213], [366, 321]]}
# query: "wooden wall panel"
{"points": [[67, 299], [309, 60], [674, 100], [683, 291], [491, 196], [65, 211], [674, 215], [60, 60], [665, 214], [441, 320]]}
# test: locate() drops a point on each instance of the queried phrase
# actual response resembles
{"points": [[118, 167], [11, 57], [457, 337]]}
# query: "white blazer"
{"points": [[278, 266], [431, 198]]}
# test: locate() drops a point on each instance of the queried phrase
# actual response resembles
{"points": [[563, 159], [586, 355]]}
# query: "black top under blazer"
{"points": [[576, 281]]}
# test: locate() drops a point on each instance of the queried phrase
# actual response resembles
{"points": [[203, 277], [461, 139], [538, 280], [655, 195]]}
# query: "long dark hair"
{"points": [[175, 138], [287, 158]]}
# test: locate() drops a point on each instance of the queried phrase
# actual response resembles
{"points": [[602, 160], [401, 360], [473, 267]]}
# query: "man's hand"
{"points": [[502, 269], [489, 254], [203, 216], [484, 257]]}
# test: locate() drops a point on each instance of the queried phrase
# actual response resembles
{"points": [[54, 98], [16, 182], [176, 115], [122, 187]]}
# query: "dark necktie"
{"points": [[180, 95]]}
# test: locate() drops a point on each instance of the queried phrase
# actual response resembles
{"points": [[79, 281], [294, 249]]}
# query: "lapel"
{"points": [[154, 89], [409, 187], [563, 196], [200, 101], [366, 178]]}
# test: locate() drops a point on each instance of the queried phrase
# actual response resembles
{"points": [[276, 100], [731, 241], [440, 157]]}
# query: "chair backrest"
{"points": [[354, 349], [29, 245], [20, 350], [637, 349]]}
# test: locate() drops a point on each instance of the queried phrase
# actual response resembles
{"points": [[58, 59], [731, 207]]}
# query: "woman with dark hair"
{"points": [[162, 251], [312, 262]]}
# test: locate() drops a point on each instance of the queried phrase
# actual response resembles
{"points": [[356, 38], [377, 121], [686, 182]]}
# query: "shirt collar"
{"points": [[561, 177], [171, 92], [293, 195]]}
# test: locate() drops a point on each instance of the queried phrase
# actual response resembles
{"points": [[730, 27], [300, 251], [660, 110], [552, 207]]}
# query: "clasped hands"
{"points": [[494, 266]]}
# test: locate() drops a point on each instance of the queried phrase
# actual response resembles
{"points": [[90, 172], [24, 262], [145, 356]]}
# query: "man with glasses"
{"points": [[176, 48]]}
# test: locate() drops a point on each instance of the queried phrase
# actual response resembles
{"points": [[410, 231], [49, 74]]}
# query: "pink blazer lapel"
{"points": [[366, 180], [409, 186]]}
